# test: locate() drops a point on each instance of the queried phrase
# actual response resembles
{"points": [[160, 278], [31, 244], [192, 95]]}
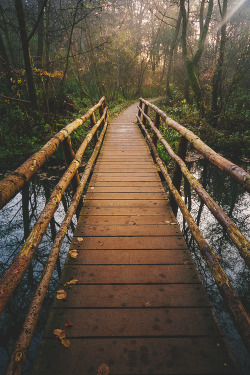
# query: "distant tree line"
{"points": [[53, 53]]}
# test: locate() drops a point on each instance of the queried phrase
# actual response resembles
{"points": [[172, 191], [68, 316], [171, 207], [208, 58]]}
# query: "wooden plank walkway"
{"points": [[139, 306]]}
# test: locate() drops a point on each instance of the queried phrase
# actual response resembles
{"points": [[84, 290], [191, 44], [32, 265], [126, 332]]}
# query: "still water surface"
{"points": [[18, 217]]}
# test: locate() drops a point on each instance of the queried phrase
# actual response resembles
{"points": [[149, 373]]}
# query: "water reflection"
{"points": [[236, 204], [16, 221]]}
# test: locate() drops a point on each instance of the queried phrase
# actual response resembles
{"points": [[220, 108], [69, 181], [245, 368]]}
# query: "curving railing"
{"points": [[12, 184], [234, 304]]}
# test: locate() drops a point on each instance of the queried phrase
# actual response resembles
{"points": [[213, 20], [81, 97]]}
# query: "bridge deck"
{"points": [[139, 306]]}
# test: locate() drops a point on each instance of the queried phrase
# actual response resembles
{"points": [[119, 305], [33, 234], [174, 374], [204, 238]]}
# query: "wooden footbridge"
{"points": [[130, 300]]}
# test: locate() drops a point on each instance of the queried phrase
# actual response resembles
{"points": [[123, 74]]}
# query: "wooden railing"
{"points": [[236, 309], [12, 184]]}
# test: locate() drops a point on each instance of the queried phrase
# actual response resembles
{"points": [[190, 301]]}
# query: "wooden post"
{"points": [[139, 112], [177, 175], [144, 120], [69, 156], [93, 122], [101, 110], [157, 123]]}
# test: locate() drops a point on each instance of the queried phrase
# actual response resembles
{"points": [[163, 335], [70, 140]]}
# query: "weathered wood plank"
{"points": [[170, 295], [122, 177], [127, 243], [127, 230], [126, 220], [125, 203], [134, 322], [125, 183], [132, 257], [131, 274], [130, 196], [136, 211], [125, 189], [161, 356]]}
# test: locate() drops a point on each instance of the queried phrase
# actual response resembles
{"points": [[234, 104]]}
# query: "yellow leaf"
{"points": [[73, 253], [68, 324], [173, 223], [71, 282], [167, 222], [80, 239], [59, 333], [103, 369], [65, 342], [61, 294]]}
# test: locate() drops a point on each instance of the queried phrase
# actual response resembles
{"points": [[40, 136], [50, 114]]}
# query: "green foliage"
{"points": [[172, 138], [231, 138]]}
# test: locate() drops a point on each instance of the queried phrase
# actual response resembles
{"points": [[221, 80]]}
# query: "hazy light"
{"points": [[231, 13]]}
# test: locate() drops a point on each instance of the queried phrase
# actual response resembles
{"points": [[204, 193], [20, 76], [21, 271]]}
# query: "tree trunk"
{"points": [[5, 30], [26, 52], [171, 54], [191, 64], [4, 62], [40, 35], [217, 78]]}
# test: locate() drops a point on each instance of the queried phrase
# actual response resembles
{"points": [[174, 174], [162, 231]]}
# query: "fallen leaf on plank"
{"points": [[103, 369], [147, 304], [59, 333], [68, 324], [65, 342], [71, 282], [73, 253], [79, 239], [61, 294]]}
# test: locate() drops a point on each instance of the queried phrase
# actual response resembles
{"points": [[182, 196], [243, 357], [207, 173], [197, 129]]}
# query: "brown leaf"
{"points": [[147, 304], [71, 282], [61, 294], [103, 369], [59, 333], [100, 243], [65, 342], [73, 253], [68, 324], [173, 223]]}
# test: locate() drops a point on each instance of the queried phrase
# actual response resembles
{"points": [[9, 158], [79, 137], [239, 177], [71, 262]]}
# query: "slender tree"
{"points": [[26, 52], [171, 54], [191, 63], [217, 78]]}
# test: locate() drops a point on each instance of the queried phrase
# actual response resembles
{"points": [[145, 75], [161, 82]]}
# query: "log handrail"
{"points": [[14, 182], [232, 301], [233, 232], [22, 344], [16, 271], [241, 176]]}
